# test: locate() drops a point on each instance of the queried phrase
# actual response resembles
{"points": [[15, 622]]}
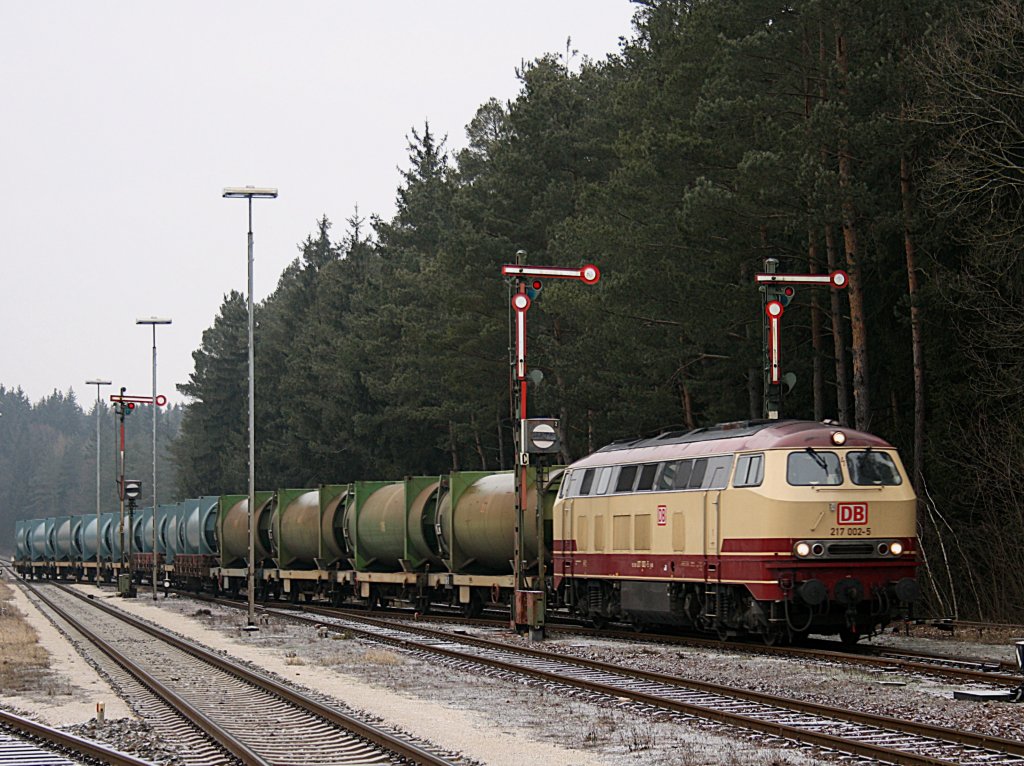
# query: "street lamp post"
{"points": [[97, 382], [154, 321], [248, 193]]}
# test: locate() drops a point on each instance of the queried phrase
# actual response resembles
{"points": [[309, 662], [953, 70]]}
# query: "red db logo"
{"points": [[662, 515], [852, 513]]}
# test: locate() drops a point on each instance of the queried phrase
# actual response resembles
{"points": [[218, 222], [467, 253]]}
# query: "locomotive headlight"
{"points": [[896, 548], [803, 550], [838, 438]]}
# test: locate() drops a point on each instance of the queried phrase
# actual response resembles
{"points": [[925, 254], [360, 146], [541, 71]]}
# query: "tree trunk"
{"points": [[501, 442], [451, 445], [817, 335], [838, 343], [478, 444], [832, 259], [917, 344], [858, 327]]}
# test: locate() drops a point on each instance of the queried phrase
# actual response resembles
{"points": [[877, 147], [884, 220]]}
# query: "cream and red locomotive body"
{"points": [[780, 528]]}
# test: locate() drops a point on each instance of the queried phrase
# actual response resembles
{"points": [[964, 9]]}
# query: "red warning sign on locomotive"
{"points": [[852, 514]]}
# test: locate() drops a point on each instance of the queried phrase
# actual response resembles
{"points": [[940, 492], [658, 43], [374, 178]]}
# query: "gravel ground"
{"points": [[495, 721]]}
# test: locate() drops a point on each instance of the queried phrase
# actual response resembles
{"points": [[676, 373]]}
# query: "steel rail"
{"points": [[381, 739], [78, 746], [224, 738], [950, 736], [955, 668]]}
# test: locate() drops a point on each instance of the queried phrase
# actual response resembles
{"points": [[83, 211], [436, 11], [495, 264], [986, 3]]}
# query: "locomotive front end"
{"points": [[846, 517]]}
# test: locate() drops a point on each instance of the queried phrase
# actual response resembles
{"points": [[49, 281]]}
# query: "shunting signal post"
{"points": [[777, 291], [534, 438], [128, 489]]}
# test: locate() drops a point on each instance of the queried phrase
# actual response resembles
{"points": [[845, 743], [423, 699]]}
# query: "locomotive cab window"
{"points": [[872, 468], [749, 471], [604, 478], [813, 468]]}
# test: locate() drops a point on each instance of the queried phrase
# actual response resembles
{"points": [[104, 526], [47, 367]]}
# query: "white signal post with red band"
{"points": [[774, 309], [528, 602]]}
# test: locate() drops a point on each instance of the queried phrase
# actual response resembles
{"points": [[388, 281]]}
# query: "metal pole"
{"points": [[154, 407], [250, 572], [248, 192], [97, 382]]}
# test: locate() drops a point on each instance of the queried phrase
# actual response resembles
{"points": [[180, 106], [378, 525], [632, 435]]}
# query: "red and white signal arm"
{"points": [[588, 274], [838, 279]]}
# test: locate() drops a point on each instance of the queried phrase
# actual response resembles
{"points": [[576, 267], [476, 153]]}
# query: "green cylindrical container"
{"points": [[380, 531], [296, 528], [478, 535]]}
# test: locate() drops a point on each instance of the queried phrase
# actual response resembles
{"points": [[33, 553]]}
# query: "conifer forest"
{"points": [[884, 138]]}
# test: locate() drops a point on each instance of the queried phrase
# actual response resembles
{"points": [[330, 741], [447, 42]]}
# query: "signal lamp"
{"points": [[896, 548], [838, 438], [803, 550]]}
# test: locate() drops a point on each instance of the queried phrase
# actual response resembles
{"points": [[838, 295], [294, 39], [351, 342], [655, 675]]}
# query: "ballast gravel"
{"points": [[492, 720]]}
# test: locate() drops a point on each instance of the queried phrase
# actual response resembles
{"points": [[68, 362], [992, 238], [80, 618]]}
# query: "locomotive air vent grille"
{"points": [[851, 549]]}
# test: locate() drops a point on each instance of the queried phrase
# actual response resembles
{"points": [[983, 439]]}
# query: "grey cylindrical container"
{"points": [[90, 538], [234, 543]]}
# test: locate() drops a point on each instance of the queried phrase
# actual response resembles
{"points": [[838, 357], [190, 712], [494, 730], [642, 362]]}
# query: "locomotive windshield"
{"points": [[872, 468], [813, 468]]}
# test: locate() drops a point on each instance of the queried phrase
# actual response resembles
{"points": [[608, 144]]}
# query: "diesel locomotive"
{"points": [[775, 528]]}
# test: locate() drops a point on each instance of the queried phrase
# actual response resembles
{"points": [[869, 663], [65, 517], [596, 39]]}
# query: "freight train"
{"points": [[775, 528]]}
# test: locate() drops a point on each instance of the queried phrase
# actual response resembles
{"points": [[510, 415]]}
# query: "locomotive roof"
{"points": [[742, 436]]}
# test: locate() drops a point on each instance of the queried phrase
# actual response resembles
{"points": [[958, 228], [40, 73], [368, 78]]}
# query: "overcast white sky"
{"points": [[123, 121]]}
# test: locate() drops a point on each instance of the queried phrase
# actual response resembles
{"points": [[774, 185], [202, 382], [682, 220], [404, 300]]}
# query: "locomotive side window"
{"points": [[872, 468], [749, 471], [716, 476], [587, 482], [647, 474], [813, 468], [682, 474], [627, 475], [604, 478], [667, 477], [700, 467]]}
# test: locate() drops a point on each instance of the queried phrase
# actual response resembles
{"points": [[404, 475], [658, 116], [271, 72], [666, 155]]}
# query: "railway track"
{"points": [[880, 738], [247, 714], [23, 741], [960, 669]]}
